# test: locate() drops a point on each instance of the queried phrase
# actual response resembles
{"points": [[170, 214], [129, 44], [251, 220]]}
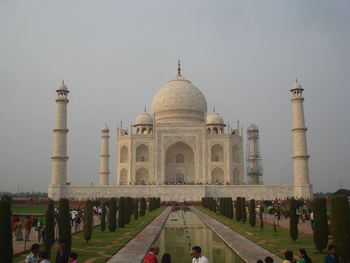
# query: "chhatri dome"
{"points": [[179, 101], [144, 119], [215, 119]]}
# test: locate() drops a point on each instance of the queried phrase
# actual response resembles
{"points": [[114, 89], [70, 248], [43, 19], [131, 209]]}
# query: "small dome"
{"points": [[144, 119], [179, 101], [253, 127], [105, 128], [63, 87], [215, 118]]}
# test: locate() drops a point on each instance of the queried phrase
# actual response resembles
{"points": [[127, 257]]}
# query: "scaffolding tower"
{"points": [[254, 169]]}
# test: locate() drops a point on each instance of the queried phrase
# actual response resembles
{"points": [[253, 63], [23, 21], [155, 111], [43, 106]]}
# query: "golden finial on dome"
{"points": [[178, 68]]}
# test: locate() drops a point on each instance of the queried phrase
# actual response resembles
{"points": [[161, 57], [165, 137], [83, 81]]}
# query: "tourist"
{"points": [[288, 257], [33, 255], [73, 257], [312, 220], [260, 261], [303, 257], [166, 258], [39, 228], [151, 256], [62, 252], [27, 227], [17, 229], [197, 255], [331, 257], [268, 260], [43, 257]]}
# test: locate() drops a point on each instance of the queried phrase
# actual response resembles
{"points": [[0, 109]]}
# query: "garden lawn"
{"points": [[277, 242], [29, 209], [103, 246]]}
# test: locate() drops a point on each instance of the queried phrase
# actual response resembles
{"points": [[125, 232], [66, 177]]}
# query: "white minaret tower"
{"points": [[302, 186], [253, 161], [59, 155], [104, 156]]}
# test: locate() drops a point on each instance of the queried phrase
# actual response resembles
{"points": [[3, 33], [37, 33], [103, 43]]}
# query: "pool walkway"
{"points": [[244, 248], [136, 249]]}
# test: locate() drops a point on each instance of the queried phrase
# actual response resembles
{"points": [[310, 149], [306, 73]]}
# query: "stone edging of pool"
{"points": [[244, 248], [137, 248]]}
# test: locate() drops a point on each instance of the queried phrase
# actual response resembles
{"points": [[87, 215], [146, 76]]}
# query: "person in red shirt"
{"points": [[27, 227], [151, 256]]}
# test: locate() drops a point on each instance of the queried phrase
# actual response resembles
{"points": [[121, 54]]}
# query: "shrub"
{"points": [[103, 218], [341, 226], [320, 223], [244, 210], [136, 209], [64, 226], [121, 215], [112, 216], [88, 221], [6, 249], [49, 238], [293, 220], [261, 213], [143, 207], [252, 214]]}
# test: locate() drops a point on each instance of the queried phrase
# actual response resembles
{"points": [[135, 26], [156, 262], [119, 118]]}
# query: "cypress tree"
{"points": [[88, 221], [252, 214], [6, 249], [64, 227], [238, 209], [293, 220], [127, 211], [340, 218], [103, 218], [230, 208], [49, 238], [143, 207], [112, 216], [136, 209], [261, 213], [244, 210], [121, 215], [320, 224]]}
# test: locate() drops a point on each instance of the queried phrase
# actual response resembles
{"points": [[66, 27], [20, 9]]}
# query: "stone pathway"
{"points": [[284, 223], [21, 246], [246, 249], [136, 249]]}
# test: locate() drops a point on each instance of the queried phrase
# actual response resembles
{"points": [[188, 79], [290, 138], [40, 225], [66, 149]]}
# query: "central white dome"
{"points": [[179, 101]]}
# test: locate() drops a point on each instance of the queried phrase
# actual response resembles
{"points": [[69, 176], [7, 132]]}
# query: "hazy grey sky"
{"points": [[115, 55]]}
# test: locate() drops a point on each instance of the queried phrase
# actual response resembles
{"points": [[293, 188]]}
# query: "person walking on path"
{"points": [[27, 228], [151, 256], [331, 257], [17, 229], [33, 255], [62, 253], [197, 255]]}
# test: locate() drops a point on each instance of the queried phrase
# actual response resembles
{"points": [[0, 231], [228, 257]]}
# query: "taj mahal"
{"points": [[178, 152]]}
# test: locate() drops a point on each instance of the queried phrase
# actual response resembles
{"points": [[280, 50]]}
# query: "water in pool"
{"points": [[183, 230]]}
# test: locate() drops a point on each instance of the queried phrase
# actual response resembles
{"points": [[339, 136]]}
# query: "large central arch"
{"points": [[179, 164]]}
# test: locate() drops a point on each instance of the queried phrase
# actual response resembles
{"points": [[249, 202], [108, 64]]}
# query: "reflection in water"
{"points": [[183, 230]]}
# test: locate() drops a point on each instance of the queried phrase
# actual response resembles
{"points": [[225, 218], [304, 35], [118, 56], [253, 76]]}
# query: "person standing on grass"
{"points": [[303, 257], [197, 255], [27, 227], [17, 229], [166, 258], [73, 257], [33, 255], [62, 253], [288, 257], [331, 257], [151, 256]]}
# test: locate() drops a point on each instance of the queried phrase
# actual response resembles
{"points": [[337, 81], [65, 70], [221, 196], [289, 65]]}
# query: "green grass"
{"points": [[277, 242], [103, 246], [29, 209]]}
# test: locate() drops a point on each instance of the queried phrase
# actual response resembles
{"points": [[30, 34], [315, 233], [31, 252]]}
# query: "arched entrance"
{"points": [[142, 176], [179, 164], [217, 176]]}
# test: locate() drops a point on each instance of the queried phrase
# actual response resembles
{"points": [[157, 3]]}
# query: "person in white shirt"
{"points": [[197, 255]]}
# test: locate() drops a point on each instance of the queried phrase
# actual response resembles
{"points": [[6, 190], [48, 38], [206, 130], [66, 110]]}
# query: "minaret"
{"points": [[104, 156], [254, 167], [59, 155], [302, 187]]}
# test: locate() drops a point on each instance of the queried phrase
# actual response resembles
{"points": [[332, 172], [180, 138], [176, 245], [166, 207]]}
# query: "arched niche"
{"points": [[142, 153]]}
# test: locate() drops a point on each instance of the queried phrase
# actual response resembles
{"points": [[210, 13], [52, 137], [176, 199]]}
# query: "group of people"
{"points": [[37, 224], [151, 257], [62, 255]]}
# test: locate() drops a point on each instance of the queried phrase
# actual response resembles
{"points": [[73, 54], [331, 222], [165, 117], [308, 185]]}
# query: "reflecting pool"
{"points": [[183, 230]]}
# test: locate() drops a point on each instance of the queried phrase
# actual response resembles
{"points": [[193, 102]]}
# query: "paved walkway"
{"points": [[284, 223], [21, 246], [136, 249], [246, 249]]}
